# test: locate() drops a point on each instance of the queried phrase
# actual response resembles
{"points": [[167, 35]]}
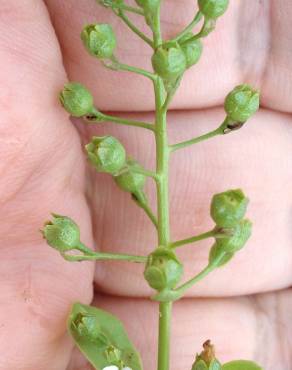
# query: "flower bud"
{"points": [[228, 208], [106, 154], [163, 270], [129, 180], [206, 359], [213, 8], [61, 233], [241, 233], [76, 99], [99, 40], [241, 103], [169, 62], [191, 48]]}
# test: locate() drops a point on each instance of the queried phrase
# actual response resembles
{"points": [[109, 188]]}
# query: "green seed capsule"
{"points": [[76, 99], [99, 40], [163, 270], [242, 232], [241, 103], [61, 233], [169, 62], [213, 8], [218, 254], [106, 154], [130, 181], [191, 48], [228, 208]]}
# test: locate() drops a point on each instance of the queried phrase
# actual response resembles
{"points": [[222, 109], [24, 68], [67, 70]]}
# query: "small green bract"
{"points": [[76, 99]]}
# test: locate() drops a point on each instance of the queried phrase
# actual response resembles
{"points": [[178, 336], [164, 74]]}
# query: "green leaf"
{"points": [[101, 337], [241, 365]]}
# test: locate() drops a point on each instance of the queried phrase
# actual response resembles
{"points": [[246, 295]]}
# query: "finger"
{"points": [[41, 171], [250, 44], [256, 159], [237, 327]]}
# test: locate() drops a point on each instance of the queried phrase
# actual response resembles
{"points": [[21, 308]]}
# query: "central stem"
{"points": [[162, 164]]}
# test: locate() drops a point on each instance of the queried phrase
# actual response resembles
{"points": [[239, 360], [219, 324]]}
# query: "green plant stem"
{"points": [[206, 271], [190, 27], [162, 163], [89, 254], [219, 131], [117, 66], [100, 117], [145, 172], [128, 8], [193, 239], [139, 33], [144, 205]]}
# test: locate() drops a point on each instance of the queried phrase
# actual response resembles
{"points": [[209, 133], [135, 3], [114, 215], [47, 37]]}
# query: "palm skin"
{"points": [[245, 308]]}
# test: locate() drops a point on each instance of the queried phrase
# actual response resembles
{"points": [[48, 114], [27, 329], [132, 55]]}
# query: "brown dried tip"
{"points": [[208, 355]]}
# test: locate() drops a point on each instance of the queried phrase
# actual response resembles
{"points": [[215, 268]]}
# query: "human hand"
{"points": [[43, 170]]}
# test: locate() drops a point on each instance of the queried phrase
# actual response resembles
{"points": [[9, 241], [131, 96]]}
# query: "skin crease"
{"points": [[244, 308]]}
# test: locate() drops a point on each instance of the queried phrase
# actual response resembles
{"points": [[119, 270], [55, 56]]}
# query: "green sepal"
{"points": [[103, 339], [241, 365], [215, 365], [200, 365]]}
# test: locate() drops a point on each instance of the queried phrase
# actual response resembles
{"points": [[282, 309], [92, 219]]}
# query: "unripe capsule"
{"points": [[163, 270], [129, 180], [191, 48], [106, 154], [213, 8], [99, 40], [241, 103], [241, 233], [228, 208], [61, 233], [169, 62], [76, 99]]}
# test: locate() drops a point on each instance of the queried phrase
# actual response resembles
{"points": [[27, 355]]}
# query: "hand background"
{"points": [[245, 308]]}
